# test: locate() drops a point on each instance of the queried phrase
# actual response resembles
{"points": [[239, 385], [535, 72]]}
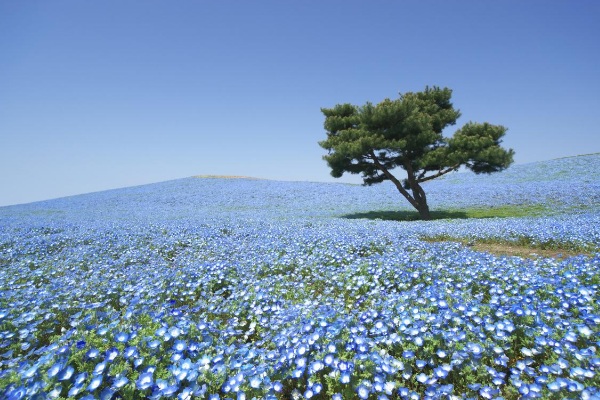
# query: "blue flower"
{"points": [[255, 382], [362, 391], [92, 353], [144, 381], [345, 377], [179, 345], [76, 389], [422, 378], [55, 369], [99, 368], [107, 394], [111, 354], [316, 366], [408, 354], [122, 337], [66, 373], [94, 383], [119, 382], [441, 372], [130, 352]]}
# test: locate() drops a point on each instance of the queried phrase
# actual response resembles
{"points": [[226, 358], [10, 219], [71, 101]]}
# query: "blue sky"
{"points": [[107, 94]]}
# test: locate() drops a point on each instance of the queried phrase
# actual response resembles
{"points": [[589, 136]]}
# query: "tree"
{"points": [[374, 139]]}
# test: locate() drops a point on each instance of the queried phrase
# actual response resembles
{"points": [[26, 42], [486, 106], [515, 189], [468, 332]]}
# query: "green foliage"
{"points": [[12, 378], [477, 146], [372, 140]]}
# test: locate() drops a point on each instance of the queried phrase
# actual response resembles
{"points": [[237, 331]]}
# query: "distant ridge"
{"points": [[225, 177], [578, 155]]}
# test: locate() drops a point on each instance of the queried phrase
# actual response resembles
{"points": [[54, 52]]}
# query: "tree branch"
{"points": [[392, 178], [440, 173]]}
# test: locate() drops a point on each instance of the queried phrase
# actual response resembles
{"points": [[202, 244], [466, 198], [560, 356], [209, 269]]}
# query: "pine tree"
{"points": [[372, 140]]}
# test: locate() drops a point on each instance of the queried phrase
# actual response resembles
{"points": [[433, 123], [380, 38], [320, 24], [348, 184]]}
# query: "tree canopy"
{"points": [[372, 140]]}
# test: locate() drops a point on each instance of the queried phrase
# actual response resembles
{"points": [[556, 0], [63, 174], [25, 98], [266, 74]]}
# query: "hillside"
{"points": [[569, 182], [238, 288]]}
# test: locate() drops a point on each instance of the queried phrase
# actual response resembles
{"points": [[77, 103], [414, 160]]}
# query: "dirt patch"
{"points": [[518, 249], [523, 251]]}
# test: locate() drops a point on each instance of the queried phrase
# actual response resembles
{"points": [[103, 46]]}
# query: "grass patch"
{"points": [[476, 212]]}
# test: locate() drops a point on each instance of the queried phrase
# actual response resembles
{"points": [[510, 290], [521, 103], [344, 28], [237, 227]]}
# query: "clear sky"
{"points": [[104, 94]]}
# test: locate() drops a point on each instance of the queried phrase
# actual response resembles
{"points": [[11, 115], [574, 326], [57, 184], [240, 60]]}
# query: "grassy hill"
{"points": [[253, 288]]}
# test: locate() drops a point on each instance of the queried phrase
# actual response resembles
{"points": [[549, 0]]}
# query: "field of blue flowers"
{"points": [[242, 289]]}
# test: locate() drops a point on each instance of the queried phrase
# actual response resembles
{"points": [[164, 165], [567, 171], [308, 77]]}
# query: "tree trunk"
{"points": [[421, 198], [424, 211], [418, 192], [418, 199]]}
